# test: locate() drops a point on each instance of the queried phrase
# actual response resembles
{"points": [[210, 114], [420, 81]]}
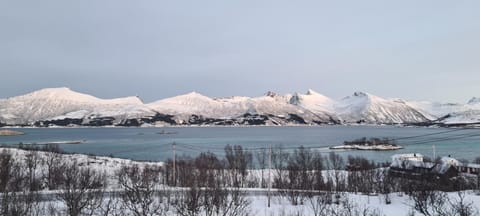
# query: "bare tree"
{"points": [[462, 207], [81, 188], [261, 157], [210, 170], [184, 170], [225, 202], [238, 160], [5, 169], [11, 181], [302, 175], [142, 195], [428, 201], [32, 160], [190, 204], [279, 161], [337, 164], [317, 167], [319, 202], [18, 196], [385, 184], [235, 204], [111, 205], [54, 168]]}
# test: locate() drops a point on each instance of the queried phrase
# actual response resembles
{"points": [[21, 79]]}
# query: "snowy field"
{"points": [[401, 205], [253, 201]]}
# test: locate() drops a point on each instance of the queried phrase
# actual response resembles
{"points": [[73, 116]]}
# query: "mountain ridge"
{"points": [[65, 107]]}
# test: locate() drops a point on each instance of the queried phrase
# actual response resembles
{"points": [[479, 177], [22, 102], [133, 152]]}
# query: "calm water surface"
{"points": [[147, 144]]}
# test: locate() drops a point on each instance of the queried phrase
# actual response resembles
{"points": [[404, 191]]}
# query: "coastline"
{"points": [[233, 126]]}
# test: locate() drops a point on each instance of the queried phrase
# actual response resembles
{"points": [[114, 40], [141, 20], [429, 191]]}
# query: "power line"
{"points": [[427, 138], [445, 139], [150, 147], [191, 147], [430, 134]]}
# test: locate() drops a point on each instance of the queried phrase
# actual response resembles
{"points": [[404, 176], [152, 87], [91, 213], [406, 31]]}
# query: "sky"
{"points": [[416, 50]]}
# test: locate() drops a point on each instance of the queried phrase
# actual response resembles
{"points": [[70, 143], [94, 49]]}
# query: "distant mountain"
{"points": [[64, 107], [366, 108], [275, 108], [450, 113], [54, 104], [434, 110], [475, 101], [314, 102], [461, 118], [195, 103]]}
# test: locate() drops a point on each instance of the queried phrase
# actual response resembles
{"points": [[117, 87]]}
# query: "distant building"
{"points": [[414, 166], [473, 169], [408, 157]]}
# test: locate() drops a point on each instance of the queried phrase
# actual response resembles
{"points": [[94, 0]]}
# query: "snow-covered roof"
{"points": [[409, 156], [450, 161], [445, 164], [413, 160], [408, 161]]}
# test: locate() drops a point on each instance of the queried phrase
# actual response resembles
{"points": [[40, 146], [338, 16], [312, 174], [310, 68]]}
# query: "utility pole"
{"points": [[434, 153], [478, 183], [174, 168], [269, 173]]}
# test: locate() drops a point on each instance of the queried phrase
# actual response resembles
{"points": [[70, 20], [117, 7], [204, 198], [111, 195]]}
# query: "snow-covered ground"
{"points": [[107, 165], [401, 204]]}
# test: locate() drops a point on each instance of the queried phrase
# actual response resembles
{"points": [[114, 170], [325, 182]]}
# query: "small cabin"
{"points": [[413, 166]]}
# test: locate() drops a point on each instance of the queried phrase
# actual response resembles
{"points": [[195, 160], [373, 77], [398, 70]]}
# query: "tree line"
{"points": [[211, 185]]}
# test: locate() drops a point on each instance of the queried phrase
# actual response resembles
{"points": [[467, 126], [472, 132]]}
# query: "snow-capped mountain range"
{"points": [[64, 107]]}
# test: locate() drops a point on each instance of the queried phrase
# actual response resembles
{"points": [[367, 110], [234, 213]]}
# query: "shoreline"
{"points": [[233, 126]]}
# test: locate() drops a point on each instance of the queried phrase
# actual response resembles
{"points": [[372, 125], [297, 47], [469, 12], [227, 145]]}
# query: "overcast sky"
{"points": [[411, 49]]}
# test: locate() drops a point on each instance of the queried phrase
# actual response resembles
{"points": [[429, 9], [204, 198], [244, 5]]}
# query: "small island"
{"points": [[373, 144], [10, 133]]}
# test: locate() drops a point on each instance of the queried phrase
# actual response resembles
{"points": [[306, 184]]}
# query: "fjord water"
{"points": [[152, 144]]}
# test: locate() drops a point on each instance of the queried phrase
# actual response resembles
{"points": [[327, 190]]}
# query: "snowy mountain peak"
{"points": [[313, 101], [474, 100], [126, 100], [63, 103], [189, 98], [270, 94], [62, 93], [360, 94], [295, 99], [312, 92], [54, 103], [66, 94], [364, 107], [52, 90], [192, 95]]}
